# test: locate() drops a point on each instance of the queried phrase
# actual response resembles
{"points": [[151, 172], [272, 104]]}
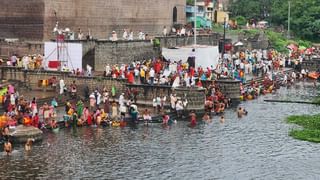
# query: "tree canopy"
{"points": [[304, 21]]}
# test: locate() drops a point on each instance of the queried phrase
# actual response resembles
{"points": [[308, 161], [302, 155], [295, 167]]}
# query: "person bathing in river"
{"points": [[53, 124], [28, 144], [193, 119], [206, 118], [241, 111], [165, 120], [7, 147], [146, 117], [6, 133], [222, 119]]}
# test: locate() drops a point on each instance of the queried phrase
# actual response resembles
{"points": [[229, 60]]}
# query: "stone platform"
{"points": [[21, 133]]}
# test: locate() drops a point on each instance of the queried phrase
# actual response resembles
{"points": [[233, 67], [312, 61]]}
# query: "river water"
{"points": [[254, 147]]}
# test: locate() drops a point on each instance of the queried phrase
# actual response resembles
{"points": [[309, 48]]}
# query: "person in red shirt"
{"points": [[89, 120], [130, 77], [35, 120], [191, 72], [157, 66], [199, 84]]}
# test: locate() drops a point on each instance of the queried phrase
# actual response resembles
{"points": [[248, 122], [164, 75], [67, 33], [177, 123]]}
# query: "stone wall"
{"points": [[7, 49], [108, 52], [32, 78], [311, 65], [104, 16], [195, 96], [231, 88], [176, 41], [35, 19], [22, 19]]}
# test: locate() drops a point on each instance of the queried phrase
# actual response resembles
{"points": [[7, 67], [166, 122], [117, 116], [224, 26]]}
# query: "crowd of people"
{"points": [[102, 107], [26, 62]]}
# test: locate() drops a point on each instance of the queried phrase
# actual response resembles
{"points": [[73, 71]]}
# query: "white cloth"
{"points": [[125, 35], [121, 100], [151, 73], [130, 36], [62, 85], [176, 82]]}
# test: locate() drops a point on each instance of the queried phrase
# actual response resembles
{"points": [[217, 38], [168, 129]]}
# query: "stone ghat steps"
{"points": [[259, 80]]}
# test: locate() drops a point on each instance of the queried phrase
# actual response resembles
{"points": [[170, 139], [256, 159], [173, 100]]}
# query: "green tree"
{"points": [[304, 21], [190, 2]]}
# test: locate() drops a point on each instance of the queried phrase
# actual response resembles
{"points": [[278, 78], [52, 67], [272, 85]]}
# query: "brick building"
{"points": [[35, 19]]}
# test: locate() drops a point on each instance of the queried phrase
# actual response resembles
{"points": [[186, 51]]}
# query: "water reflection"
{"points": [[254, 147]]}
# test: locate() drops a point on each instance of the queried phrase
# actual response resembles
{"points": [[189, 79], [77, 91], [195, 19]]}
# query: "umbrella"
{"points": [[239, 44], [292, 47], [262, 22], [302, 48]]}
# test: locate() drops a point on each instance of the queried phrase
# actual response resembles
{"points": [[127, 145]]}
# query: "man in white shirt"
{"points": [[89, 69], [237, 63], [183, 31], [151, 75], [114, 36], [141, 35], [125, 34], [242, 66], [165, 31], [62, 85], [121, 99], [107, 70]]}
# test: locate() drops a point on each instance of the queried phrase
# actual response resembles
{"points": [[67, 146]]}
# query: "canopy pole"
{"points": [[195, 23]]}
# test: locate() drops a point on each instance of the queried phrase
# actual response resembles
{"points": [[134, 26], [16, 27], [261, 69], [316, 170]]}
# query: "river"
{"points": [[254, 147]]}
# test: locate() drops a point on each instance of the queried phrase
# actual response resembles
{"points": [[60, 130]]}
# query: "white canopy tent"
{"points": [[70, 54], [206, 56]]}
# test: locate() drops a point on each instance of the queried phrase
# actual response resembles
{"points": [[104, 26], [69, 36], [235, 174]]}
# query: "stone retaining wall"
{"points": [[175, 41], [195, 96], [32, 78], [311, 65], [231, 88]]}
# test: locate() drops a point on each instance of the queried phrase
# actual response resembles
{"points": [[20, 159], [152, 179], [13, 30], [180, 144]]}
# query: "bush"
{"points": [[241, 21]]}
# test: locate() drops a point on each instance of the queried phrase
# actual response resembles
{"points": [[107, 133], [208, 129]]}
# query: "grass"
{"points": [[311, 127]]}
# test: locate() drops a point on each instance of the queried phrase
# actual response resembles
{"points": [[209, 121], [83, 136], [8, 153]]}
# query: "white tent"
{"points": [[206, 56], [69, 54]]}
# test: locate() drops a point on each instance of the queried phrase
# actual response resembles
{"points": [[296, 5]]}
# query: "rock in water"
{"points": [[22, 133]]}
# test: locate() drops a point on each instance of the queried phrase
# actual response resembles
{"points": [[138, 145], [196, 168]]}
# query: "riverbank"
{"points": [[310, 125]]}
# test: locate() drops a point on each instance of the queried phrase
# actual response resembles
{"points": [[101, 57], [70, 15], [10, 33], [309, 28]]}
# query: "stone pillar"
{"points": [[231, 88]]}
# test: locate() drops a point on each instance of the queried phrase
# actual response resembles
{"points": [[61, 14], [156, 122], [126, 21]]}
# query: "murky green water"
{"points": [[254, 147]]}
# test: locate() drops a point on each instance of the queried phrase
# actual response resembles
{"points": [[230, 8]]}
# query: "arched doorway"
{"points": [[174, 15]]}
